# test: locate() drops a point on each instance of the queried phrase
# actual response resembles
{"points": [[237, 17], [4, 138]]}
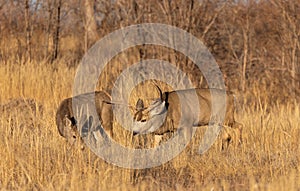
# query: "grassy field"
{"points": [[35, 157]]}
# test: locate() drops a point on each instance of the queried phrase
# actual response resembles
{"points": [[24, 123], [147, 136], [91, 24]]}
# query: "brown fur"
{"points": [[172, 104]]}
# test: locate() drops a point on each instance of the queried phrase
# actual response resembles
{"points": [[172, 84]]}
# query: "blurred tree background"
{"points": [[255, 42]]}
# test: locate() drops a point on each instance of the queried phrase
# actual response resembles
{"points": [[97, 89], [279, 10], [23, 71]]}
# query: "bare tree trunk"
{"points": [[293, 70], [56, 32], [245, 58], [91, 34], [189, 27], [27, 31], [142, 49], [49, 41]]}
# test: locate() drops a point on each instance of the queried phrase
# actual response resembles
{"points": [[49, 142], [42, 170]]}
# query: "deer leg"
{"points": [[226, 138], [107, 119], [239, 128], [157, 140]]}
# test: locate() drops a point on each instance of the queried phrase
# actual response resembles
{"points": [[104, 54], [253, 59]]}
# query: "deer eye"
{"points": [[74, 136]]}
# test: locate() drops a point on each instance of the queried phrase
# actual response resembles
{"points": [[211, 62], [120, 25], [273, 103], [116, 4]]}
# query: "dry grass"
{"points": [[34, 156]]}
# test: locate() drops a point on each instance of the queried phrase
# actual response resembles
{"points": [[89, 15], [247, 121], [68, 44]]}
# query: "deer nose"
{"points": [[135, 133]]}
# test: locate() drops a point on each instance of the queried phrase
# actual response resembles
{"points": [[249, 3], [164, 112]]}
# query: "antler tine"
{"points": [[118, 103], [159, 90]]}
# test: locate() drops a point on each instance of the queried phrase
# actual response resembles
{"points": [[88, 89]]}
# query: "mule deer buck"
{"points": [[67, 122], [168, 105]]}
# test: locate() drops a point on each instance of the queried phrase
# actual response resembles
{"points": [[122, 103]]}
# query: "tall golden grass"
{"points": [[34, 157]]}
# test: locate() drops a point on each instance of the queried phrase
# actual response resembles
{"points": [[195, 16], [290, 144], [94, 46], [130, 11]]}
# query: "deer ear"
{"points": [[138, 116], [139, 105], [68, 122]]}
